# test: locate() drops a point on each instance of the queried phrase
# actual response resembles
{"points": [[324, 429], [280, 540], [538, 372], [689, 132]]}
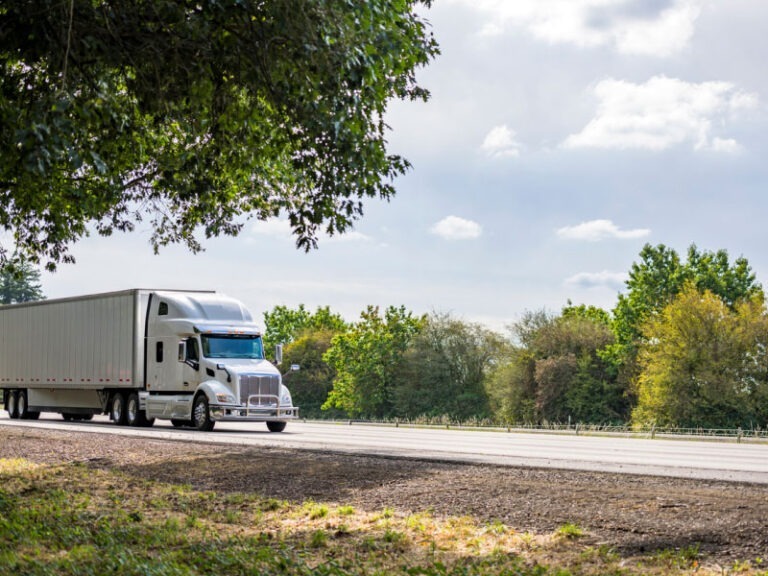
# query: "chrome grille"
{"points": [[265, 388]]}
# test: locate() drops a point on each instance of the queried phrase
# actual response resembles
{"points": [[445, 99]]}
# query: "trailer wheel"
{"points": [[13, 404], [67, 416], [23, 407], [276, 426], [117, 411], [134, 415], [201, 419]]}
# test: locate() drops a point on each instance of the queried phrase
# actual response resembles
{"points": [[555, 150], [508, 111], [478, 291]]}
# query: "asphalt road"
{"points": [[714, 460]]}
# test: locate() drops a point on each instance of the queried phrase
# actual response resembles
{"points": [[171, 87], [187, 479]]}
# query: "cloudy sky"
{"points": [[561, 136]]}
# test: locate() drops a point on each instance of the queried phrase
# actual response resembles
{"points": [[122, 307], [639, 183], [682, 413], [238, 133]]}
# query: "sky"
{"points": [[561, 136]]}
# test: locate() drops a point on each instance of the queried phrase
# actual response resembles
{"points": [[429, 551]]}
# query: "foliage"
{"points": [[310, 385], [557, 373], [20, 283], [512, 389], [197, 115], [656, 280], [661, 275], [444, 370], [704, 364], [367, 359], [284, 325], [594, 313]]}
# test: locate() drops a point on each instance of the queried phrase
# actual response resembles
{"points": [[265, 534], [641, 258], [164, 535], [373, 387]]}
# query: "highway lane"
{"points": [[715, 460]]}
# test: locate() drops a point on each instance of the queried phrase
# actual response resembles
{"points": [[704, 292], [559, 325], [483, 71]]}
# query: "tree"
{"points": [[661, 275], [284, 325], [198, 115], [557, 371], [445, 368], [656, 281], [703, 364], [367, 359], [310, 385], [20, 283]]}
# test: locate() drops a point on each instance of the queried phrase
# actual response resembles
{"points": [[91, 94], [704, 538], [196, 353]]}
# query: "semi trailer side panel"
{"points": [[92, 342]]}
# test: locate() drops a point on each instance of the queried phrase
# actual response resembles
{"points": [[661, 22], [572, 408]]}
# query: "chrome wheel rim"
{"points": [[133, 410], [200, 412]]}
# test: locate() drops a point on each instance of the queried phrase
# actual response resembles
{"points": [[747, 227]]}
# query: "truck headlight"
{"points": [[224, 398], [285, 397]]}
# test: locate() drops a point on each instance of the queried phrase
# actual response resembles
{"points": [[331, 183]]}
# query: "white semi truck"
{"points": [[191, 357]]}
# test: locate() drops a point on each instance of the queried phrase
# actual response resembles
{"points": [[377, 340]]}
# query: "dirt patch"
{"points": [[632, 514]]}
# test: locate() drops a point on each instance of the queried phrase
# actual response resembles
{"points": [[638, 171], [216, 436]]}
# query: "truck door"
{"points": [[191, 370]]}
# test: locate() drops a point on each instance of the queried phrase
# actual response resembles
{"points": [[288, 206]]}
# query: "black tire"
{"points": [[117, 412], [13, 404], [22, 408], [134, 415], [201, 418], [143, 421], [87, 417], [180, 423], [276, 426], [67, 416]]}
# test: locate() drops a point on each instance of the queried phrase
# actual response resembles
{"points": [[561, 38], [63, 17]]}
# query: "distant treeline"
{"points": [[685, 346]]}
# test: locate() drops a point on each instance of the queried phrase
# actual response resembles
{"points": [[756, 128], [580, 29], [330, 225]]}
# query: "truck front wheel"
{"points": [[117, 411], [201, 418], [275, 426]]}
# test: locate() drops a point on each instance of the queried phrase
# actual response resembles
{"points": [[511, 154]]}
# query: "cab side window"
{"points": [[162, 309], [192, 351]]}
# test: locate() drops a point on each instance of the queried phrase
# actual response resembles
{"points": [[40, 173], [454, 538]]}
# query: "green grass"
{"points": [[73, 520], [569, 530]]}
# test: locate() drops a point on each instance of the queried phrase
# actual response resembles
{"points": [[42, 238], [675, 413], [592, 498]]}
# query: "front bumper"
{"points": [[253, 414]]}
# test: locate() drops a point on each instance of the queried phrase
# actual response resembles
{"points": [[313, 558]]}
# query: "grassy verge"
{"points": [[74, 520]]}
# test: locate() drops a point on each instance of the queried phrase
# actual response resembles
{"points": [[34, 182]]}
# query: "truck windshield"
{"points": [[233, 346]]}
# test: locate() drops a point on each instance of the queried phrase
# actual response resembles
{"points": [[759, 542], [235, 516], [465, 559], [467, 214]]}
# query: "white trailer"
{"points": [[191, 357]]}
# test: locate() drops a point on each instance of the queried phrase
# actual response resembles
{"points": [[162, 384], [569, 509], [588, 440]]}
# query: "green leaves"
{"points": [[19, 282], [367, 359], [702, 364], [198, 116]]}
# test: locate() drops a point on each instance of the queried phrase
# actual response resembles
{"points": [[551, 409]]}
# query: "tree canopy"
{"points": [[284, 324], [197, 115], [20, 283], [687, 345], [703, 364]]}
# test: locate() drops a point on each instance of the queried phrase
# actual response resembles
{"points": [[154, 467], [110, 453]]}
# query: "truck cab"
{"points": [[205, 362]]}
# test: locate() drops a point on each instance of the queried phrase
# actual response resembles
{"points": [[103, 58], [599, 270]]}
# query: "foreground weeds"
{"points": [[75, 520]]}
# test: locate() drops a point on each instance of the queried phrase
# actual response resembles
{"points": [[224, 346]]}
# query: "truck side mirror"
{"points": [[279, 354], [182, 351]]}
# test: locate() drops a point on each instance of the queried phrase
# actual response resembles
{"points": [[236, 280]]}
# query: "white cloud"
{"points": [[455, 228], [604, 279], [659, 114], [596, 230], [649, 27], [500, 142]]}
